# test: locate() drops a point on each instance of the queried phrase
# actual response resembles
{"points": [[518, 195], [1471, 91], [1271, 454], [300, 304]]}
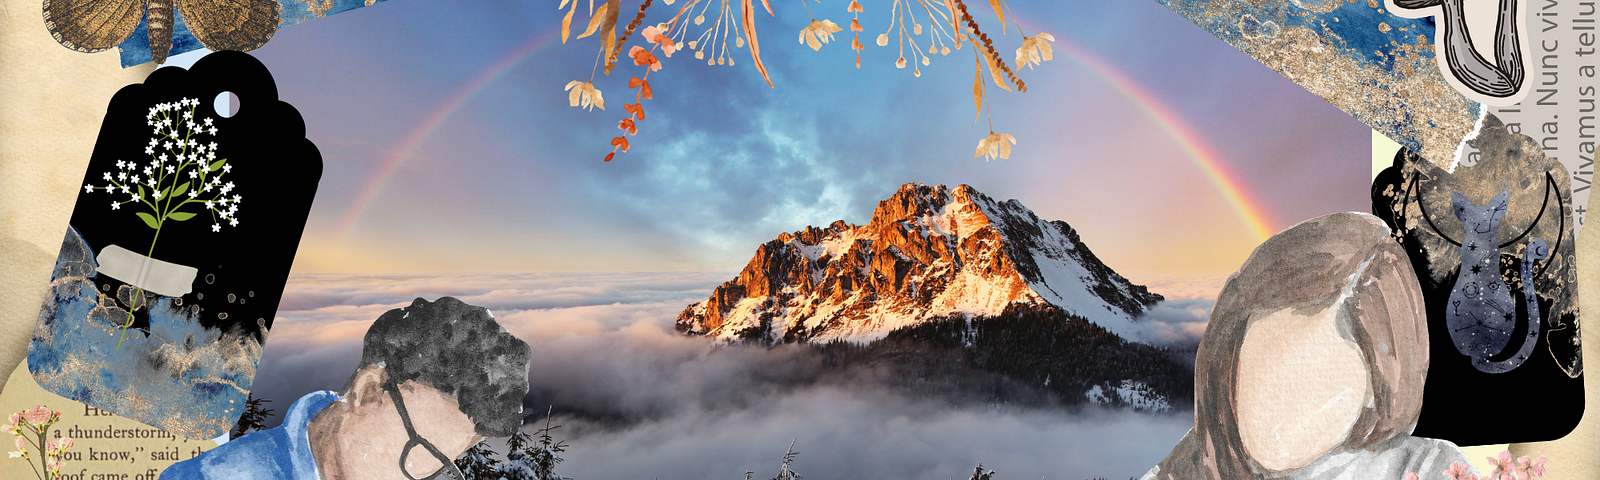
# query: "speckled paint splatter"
{"points": [[1375, 66], [186, 379]]}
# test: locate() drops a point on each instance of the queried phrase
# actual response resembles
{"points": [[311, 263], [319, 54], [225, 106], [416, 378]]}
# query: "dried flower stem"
{"points": [[724, 14], [1014, 21], [989, 45], [901, 16], [637, 19], [936, 25], [596, 64]]}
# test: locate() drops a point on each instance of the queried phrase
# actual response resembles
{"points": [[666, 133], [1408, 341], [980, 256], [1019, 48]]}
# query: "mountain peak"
{"points": [[929, 251]]}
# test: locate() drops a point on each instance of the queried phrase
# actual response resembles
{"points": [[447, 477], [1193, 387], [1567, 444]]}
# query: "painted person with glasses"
{"points": [[434, 379]]}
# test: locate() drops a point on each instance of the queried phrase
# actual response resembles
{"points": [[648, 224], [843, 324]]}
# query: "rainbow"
{"points": [[430, 125], [1211, 164], [1250, 210]]}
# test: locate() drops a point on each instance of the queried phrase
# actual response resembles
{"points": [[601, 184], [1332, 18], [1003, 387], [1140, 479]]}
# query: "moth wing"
{"points": [[92, 25], [242, 25]]}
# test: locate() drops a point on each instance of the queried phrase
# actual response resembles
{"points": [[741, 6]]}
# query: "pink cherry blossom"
{"points": [[1534, 468], [1502, 465], [37, 415]]}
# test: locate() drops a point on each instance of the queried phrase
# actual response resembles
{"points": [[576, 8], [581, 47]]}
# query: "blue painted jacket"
{"points": [[281, 453]]}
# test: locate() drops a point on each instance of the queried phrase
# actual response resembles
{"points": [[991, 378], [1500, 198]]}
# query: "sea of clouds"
{"points": [[637, 400]]}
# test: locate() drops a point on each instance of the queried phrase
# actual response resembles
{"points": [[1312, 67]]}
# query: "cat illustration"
{"points": [[1481, 317]]}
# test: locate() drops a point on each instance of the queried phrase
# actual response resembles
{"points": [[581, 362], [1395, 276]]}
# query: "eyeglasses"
{"points": [[415, 440]]}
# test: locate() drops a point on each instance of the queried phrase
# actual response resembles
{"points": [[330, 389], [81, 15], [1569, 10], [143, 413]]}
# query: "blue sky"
{"points": [[513, 181]]}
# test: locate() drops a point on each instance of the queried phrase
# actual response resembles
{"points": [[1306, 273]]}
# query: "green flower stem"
{"points": [[35, 469], [40, 446], [138, 295], [166, 180]]}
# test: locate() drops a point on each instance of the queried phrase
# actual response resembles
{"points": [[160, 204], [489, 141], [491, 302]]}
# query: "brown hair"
{"points": [[1344, 258]]}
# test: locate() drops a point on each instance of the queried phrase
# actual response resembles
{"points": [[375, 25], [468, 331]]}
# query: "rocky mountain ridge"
{"points": [[929, 252]]}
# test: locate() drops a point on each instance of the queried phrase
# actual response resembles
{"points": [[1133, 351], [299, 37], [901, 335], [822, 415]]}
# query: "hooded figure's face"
{"points": [[1302, 386]]}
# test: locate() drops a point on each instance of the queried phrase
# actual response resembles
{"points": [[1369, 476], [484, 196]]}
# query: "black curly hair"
{"points": [[458, 349]]}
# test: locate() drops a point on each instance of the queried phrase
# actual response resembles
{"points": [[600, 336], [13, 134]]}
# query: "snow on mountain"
{"points": [[929, 251], [1129, 393]]}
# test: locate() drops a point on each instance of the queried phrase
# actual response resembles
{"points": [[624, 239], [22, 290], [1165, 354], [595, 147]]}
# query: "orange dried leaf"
{"points": [[628, 125], [655, 35], [668, 46], [749, 20], [637, 109], [854, 7], [634, 82], [977, 89], [596, 20], [769, 7], [999, 12], [955, 21], [994, 67], [610, 26], [610, 155], [646, 92], [620, 142], [566, 23], [855, 25], [608, 46], [644, 57]]}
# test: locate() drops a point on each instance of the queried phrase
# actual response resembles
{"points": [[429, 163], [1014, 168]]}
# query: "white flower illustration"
{"points": [[176, 175]]}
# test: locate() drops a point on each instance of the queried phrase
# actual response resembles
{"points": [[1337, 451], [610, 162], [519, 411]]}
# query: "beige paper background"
{"points": [[51, 102]]}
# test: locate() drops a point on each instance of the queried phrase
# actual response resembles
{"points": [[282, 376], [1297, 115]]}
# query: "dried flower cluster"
{"points": [[1504, 469], [947, 24], [727, 23], [585, 95], [31, 427], [855, 26], [656, 36], [939, 36]]}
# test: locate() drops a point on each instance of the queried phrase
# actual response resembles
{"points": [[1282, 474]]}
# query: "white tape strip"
{"points": [[162, 278]]}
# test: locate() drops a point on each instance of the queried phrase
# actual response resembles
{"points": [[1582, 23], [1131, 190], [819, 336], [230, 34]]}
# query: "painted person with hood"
{"points": [[1313, 363]]}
